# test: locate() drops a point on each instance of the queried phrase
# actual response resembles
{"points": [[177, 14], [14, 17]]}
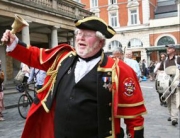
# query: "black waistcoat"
{"points": [[72, 117]]}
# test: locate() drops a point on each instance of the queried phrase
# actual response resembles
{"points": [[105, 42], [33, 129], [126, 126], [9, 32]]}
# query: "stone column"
{"points": [[54, 36], [25, 35], [73, 41], [146, 11]]}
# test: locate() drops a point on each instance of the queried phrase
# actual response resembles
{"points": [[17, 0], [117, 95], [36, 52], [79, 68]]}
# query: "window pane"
{"points": [[114, 44], [113, 19], [132, 19], [165, 40], [135, 19], [94, 3], [113, 1], [135, 43], [133, 16]]}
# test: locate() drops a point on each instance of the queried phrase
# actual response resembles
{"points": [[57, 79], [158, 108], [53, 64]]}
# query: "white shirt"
{"points": [[157, 67], [25, 69], [83, 67], [134, 65], [38, 75]]}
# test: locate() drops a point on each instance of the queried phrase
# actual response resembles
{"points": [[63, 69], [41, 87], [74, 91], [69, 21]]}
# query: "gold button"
{"points": [[109, 73], [110, 118], [110, 104], [110, 132]]}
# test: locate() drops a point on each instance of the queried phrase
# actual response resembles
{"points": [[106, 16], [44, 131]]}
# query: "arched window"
{"points": [[135, 43], [114, 44], [165, 40]]}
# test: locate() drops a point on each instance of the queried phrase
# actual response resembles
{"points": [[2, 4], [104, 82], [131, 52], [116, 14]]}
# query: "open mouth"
{"points": [[82, 45]]}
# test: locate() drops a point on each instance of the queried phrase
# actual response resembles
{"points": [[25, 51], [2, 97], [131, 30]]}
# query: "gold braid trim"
{"points": [[138, 128], [112, 132], [131, 105], [116, 74], [52, 72], [45, 107], [129, 117]]}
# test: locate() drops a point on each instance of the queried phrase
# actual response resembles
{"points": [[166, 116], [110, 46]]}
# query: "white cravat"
{"points": [[83, 67]]}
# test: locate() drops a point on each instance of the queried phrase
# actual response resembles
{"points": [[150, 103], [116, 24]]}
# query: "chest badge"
{"points": [[129, 86]]}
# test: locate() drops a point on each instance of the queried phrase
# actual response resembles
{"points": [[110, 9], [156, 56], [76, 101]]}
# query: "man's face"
{"points": [[87, 44], [129, 54], [163, 57], [118, 55], [170, 51]]}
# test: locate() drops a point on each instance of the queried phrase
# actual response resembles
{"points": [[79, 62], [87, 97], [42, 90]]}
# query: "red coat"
{"points": [[127, 102]]}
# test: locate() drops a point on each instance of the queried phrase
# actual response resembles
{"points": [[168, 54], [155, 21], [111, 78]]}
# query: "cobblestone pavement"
{"points": [[156, 124]]}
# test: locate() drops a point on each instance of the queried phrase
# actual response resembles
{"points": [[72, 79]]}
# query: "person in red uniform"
{"points": [[85, 93]]}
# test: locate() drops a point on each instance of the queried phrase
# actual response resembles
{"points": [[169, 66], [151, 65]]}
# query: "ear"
{"points": [[102, 42]]}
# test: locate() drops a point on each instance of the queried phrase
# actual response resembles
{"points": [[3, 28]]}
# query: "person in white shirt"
{"points": [[38, 76], [118, 53], [162, 58], [25, 69], [132, 63]]}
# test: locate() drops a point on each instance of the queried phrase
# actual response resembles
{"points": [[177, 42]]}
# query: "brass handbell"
{"points": [[17, 25]]}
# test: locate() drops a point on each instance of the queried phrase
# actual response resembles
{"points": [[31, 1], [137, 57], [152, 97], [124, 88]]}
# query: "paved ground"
{"points": [[156, 124]]}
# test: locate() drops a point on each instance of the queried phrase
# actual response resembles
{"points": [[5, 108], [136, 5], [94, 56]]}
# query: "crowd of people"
{"points": [[142, 69], [170, 64]]}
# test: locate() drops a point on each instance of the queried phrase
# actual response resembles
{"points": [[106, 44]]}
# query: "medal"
{"points": [[105, 79], [107, 83]]}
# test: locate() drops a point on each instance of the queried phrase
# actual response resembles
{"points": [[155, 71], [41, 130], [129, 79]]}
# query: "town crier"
{"points": [[86, 93]]}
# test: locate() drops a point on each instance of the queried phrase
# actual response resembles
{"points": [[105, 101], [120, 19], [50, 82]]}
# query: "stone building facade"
{"points": [[50, 22]]}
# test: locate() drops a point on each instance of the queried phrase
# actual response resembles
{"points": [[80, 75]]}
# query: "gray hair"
{"points": [[118, 50]]}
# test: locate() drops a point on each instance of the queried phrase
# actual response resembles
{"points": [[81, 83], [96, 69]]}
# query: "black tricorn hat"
{"points": [[95, 24]]}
